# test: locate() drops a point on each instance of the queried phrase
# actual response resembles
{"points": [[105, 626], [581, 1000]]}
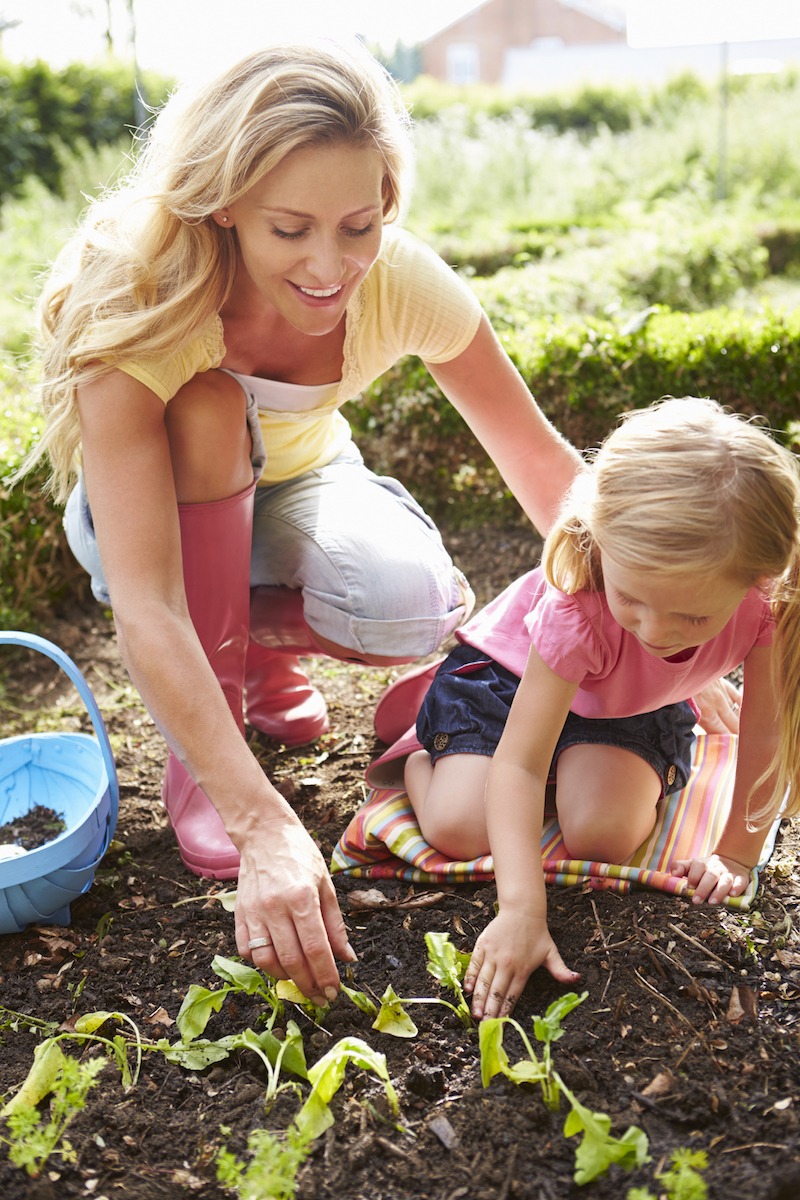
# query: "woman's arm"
{"points": [[537, 464], [726, 872], [518, 940], [284, 885]]}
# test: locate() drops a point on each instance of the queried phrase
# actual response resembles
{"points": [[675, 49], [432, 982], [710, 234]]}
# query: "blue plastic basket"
{"points": [[72, 773]]}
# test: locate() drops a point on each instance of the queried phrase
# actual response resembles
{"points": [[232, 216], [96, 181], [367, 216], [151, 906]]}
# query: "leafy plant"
{"points": [[327, 1076], [448, 965], [195, 1053], [392, 1017], [272, 1170], [682, 1180], [33, 1138], [598, 1148]]}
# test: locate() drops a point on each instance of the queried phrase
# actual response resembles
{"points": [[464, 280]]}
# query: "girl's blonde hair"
{"points": [[686, 486], [149, 268]]}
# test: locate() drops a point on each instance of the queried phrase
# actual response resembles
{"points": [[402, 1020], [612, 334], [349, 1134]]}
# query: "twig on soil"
{"points": [[506, 1185], [676, 1011], [604, 940], [699, 946], [755, 1146], [390, 1148]]}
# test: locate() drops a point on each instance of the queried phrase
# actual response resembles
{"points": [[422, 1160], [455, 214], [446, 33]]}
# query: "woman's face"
{"points": [[308, 233]]}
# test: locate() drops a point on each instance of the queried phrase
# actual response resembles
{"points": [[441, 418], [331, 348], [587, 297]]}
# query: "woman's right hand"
{"points": [[508, 951], [285, 894]]}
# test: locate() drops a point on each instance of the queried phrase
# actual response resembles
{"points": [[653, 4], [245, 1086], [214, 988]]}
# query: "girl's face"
{"points": [[668, 613], [308, 232]]}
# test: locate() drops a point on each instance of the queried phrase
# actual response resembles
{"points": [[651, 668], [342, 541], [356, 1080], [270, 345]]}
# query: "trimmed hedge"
{"points": [[584, 375]]}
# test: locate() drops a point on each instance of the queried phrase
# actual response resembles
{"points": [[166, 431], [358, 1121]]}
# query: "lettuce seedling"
{"points": [[392, 1017], [327, 1076], [448, 965], [598, 1149]]}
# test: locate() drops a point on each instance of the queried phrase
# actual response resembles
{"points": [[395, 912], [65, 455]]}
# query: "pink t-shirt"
{"points": [[579, 639]]}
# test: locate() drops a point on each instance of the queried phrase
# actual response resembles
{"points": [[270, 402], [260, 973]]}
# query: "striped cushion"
{"points": [[383, 840]]}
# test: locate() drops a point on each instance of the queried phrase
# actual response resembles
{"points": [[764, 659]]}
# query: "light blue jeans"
{"points": [[371, 563]]}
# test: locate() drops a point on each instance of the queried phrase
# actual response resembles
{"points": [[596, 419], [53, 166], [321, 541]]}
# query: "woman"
{"points": [[209, 317]]}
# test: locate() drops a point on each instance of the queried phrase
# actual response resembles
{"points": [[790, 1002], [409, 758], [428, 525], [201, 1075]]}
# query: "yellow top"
{"points": [[410, 302]]}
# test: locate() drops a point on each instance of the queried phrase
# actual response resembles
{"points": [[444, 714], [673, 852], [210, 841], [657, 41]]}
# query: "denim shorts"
{"points": [[467, 706], [371, 564]]}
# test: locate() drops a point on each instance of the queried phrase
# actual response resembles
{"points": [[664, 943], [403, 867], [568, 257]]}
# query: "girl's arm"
{"points": [[726, 872], [518, 940], [284, 884], [537, 464]]}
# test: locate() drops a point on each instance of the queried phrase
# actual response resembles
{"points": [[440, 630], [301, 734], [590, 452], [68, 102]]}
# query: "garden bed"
{"points": [[689, 1030]]}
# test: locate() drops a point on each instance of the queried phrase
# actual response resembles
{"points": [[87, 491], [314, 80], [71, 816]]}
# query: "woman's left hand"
{"points": [[713, 877], [287, 903]]}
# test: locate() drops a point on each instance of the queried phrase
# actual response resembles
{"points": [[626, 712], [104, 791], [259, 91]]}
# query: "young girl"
{"points": [[676, 559]]}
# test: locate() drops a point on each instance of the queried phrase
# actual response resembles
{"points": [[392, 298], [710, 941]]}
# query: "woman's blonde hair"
{"points": [[149, 268], [687, 486]]}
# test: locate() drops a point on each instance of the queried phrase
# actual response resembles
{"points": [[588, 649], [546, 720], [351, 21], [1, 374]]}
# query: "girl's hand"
{"points": [[713, 878], [719, 705], [505, 955], [285, 894]]}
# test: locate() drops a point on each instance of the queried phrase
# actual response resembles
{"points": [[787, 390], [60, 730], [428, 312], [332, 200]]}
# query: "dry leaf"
{"points": [[743, 1003], [659, 1085], [159, 1017], [373, 898], [788, 958]]}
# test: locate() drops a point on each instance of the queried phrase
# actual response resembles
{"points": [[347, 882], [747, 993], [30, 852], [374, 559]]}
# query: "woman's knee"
{"points": [[209, 438]]}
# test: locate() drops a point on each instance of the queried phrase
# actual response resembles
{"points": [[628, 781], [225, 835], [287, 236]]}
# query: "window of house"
{"points": [[463, 63]]}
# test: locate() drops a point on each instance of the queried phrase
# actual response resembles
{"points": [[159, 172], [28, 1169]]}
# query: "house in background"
{"points": [[475, 48], [550, 45]]}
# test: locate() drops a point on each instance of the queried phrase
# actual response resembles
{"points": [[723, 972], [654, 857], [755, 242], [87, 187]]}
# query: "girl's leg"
{"points": [[606, 800], [448, 800]]}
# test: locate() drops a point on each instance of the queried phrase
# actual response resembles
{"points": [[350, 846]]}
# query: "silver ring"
{"points": [[256, 943]]}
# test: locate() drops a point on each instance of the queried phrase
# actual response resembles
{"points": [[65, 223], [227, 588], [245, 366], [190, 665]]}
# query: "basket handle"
{"points": [[34, 642]]}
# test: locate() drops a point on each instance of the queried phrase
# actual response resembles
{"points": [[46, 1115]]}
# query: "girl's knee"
{"points": [[599, 842]]}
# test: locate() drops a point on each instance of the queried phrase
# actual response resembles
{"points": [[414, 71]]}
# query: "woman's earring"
{"points": [[224, 220]]}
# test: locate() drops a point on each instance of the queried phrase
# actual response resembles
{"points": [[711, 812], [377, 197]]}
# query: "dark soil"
{"points": [[690, 1028], [32, 829]]}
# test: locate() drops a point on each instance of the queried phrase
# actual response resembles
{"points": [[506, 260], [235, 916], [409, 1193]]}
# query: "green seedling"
{"points": [[33, 1138], [200, 1002], [288, 990], [598, 1148], [392, 1017], [682, 1180], [547, 1029], [448, 965], [275, 1054], [361, 1000], [272, 1169], [327, 1076]]}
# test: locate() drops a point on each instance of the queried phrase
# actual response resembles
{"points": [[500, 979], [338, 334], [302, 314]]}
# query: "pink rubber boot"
{"points": [[280, 700], [215, 541]]}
